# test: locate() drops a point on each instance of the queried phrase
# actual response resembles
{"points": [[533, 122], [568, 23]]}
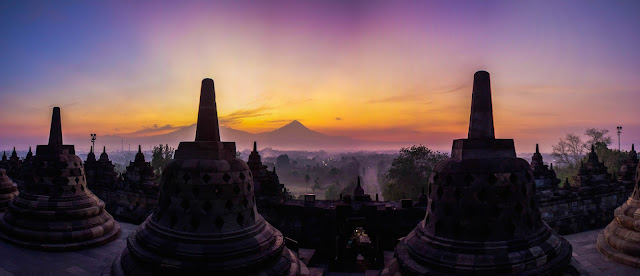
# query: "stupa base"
{"points": [[610, 253], [111, 235]]}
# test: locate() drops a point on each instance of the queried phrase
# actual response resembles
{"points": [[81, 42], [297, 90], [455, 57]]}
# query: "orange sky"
{"points": [[381, 71]]}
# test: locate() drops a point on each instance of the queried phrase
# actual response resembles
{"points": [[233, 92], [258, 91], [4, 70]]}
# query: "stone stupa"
{"points": [[544, 177], [206, 222], [55, 210], [100, 174], [620, 240], [627, 174], [481, 218], [8, 190]]}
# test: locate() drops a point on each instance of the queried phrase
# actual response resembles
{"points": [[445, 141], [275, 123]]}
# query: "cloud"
{"points": [[418, 95], [237, 116], [338, 119], [67, 105], [395, 98], [153, 130], [461, 87], [283, 121]]}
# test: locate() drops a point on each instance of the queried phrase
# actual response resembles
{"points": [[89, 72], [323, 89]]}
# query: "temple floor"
{"points": [[20, 261], [590, 260]]}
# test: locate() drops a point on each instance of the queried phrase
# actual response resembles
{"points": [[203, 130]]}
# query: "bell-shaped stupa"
{"points": [[55, 210], [206, 222], [620, 240], [8, 190], [482, 218]]}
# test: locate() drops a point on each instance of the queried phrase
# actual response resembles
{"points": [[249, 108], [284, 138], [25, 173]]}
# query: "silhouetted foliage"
{"points": [[332, 192], [571, 150], [283, 163], [409, 172], [161, 155]]}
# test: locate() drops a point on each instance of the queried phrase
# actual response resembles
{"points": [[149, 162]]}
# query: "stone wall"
{"points": [[567, 212], [129, 206], [573, 212]]}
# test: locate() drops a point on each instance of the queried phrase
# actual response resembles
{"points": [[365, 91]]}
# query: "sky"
{"points": [[396, 71]]}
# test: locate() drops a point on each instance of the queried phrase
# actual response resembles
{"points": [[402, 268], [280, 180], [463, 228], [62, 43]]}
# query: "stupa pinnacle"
{"points": [[481, 121], [206, 220], [207, 128]]}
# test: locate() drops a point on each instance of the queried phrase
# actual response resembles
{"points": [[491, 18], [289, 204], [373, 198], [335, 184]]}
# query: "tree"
{"points": [[409, 172], [333, 192], [283, 163], [569, 150], [597, 137], [161, 155]]}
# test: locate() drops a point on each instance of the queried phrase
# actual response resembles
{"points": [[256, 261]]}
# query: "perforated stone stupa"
{"points": [[206, 221], [8, 190], [620, 240], [481, 218], [55, 210]]}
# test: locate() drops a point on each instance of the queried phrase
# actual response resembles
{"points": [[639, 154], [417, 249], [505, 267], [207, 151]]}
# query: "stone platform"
{"points": [[21, 261], [93, 261], [590, 260]]}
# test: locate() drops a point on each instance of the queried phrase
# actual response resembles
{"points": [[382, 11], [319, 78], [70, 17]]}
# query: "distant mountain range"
{"points": [[293, 136]]}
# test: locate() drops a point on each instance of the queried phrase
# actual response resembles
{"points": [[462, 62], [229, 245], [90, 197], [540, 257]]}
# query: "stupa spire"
{"points": [[55, 133], [207, 128], [537, 149], [139, 156], [255, 146], [481, 121]]}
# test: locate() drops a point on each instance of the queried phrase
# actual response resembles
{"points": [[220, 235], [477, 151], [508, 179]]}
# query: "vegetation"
{"points": [[161, 155], [332, 192], [571, 150], [409, 172]]}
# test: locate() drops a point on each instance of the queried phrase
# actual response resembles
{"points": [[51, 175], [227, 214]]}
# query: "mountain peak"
{"points": [[293, 127], [295, 123]]}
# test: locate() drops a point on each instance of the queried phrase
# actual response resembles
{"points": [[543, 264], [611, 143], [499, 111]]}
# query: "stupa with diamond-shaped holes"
{"points": [[206, 220], [482, 218], [55, 210]]}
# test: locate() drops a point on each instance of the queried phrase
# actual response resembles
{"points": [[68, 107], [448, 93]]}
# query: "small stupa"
{"points": [[544, 177], [101, 174], [628, 169]]}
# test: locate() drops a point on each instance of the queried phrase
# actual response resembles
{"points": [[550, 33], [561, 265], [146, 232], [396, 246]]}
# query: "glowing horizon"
{"points": [[367, 70]]}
